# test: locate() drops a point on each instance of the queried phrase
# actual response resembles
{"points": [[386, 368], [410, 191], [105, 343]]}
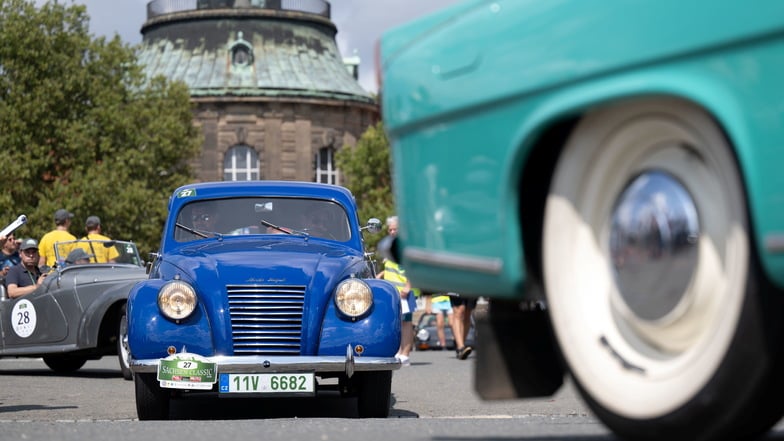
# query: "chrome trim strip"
{"points": [[284, 364], [774, 243], [454, 261]]}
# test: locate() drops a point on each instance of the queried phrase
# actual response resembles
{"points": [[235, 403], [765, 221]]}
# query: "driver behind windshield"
{"points": [[204, 217]]}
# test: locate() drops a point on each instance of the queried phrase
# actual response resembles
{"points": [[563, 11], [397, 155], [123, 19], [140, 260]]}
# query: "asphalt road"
{"points": [[433, 399]]}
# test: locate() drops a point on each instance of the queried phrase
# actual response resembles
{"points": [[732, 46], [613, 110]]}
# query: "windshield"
{"points": [[241, 216], [97, 251]]}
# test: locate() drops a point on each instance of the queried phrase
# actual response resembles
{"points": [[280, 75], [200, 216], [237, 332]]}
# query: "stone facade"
{"points": [[268, 78], [286, 135]]}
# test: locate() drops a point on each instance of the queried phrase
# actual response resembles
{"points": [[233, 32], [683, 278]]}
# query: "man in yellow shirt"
{"points": [[100, 253], [62, 221]]}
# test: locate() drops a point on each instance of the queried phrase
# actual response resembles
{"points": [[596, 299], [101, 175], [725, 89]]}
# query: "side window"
{"points": [[241, 163]]}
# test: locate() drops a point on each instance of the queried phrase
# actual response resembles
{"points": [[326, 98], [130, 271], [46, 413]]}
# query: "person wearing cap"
{"points": [[99, 252], [24, 278], [78, 256], [62, 221]]}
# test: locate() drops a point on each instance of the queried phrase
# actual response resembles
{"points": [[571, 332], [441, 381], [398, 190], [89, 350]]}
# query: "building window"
{"points": [[241, 53], [241, 163], [241, 56], [326, 171]]}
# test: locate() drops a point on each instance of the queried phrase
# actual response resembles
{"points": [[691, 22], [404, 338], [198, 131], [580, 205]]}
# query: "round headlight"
{"points": [[177, 300], [353, 297]]}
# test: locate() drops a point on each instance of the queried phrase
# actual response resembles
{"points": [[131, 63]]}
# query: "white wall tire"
{"points": [[633, 369], [123, 351]]}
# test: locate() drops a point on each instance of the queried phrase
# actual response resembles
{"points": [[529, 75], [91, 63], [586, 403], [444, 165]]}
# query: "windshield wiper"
{"points": [[284, 230], [199, 232]]}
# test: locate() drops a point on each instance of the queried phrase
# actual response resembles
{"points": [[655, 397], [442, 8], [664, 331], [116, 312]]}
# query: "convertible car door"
{"points": [[35, 319]]}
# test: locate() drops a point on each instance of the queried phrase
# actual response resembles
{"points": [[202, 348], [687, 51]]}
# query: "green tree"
{"points": [[366, 169], [82, 128]]}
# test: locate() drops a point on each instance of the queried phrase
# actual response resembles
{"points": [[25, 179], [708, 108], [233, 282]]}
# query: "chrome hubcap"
{"points": [[124, 340], [653, 244]]}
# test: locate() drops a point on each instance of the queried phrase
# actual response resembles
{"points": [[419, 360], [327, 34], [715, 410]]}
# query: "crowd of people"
{"points": [[455, 308], [24, 264]]}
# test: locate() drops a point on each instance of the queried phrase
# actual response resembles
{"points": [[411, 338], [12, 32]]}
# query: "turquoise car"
{"points": [[609, 173]]}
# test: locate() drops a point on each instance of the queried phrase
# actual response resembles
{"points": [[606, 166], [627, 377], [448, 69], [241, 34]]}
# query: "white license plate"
{"points": [[302, 383]]}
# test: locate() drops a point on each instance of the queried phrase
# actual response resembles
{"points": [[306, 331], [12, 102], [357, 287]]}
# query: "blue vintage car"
{"points": [[609, 173], [263, 289]]}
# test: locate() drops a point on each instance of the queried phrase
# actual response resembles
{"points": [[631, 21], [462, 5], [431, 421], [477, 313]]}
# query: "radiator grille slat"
{"points": [[266, 319]]}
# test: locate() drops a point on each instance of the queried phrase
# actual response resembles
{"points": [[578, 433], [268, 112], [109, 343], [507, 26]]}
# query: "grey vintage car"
{"points": [[78, 313]]}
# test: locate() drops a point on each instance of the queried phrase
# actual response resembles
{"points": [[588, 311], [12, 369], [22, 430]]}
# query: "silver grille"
{"points": [[266, 319]]}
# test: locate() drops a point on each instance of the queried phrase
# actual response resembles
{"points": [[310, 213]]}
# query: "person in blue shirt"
{"points": [[9, 254], [25, 277]]}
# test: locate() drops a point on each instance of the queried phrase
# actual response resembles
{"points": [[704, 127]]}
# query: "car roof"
{"points": [[207, 190]]}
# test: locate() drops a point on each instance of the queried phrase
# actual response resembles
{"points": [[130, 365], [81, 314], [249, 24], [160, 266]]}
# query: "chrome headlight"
{"points": [[177, 300], [423, 335], [353, 297]]}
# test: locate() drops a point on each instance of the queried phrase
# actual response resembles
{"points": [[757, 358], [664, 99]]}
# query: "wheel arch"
{"points": [[100, 320], [533, 187], [107, 332], [549, 126]]}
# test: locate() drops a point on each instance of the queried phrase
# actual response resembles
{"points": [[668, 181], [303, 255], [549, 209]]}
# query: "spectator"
{"points": [[397, 276], [462, 308], [99, 252], [440, 305], [9, 255], [25, 277], [8, 258], [62, 221]]}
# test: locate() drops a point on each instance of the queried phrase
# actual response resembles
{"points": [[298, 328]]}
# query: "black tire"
{"points": [[64, 364], [665, 339], [152, 402], [123, 351], [374, 394]]}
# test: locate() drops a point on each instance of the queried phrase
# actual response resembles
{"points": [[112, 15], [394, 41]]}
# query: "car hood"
{"points": [[284, 261]]}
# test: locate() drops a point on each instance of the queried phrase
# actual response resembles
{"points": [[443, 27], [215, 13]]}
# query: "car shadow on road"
{"points": [[26, 407], [777, 435], [534, 438], [82, 373], [325, 405]]}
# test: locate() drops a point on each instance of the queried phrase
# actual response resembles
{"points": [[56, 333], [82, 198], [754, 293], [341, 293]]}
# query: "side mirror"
{"points": [[153, 257], [373, 225]]}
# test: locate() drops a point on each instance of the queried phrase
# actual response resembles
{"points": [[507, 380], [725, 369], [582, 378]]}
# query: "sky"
{"points": [[360, 23]]}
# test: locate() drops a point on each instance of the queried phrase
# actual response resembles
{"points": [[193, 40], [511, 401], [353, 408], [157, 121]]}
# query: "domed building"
{"points": [[273, 96]]}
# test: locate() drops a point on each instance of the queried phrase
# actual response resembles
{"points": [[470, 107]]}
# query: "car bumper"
{"points": [[285, 364]]}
